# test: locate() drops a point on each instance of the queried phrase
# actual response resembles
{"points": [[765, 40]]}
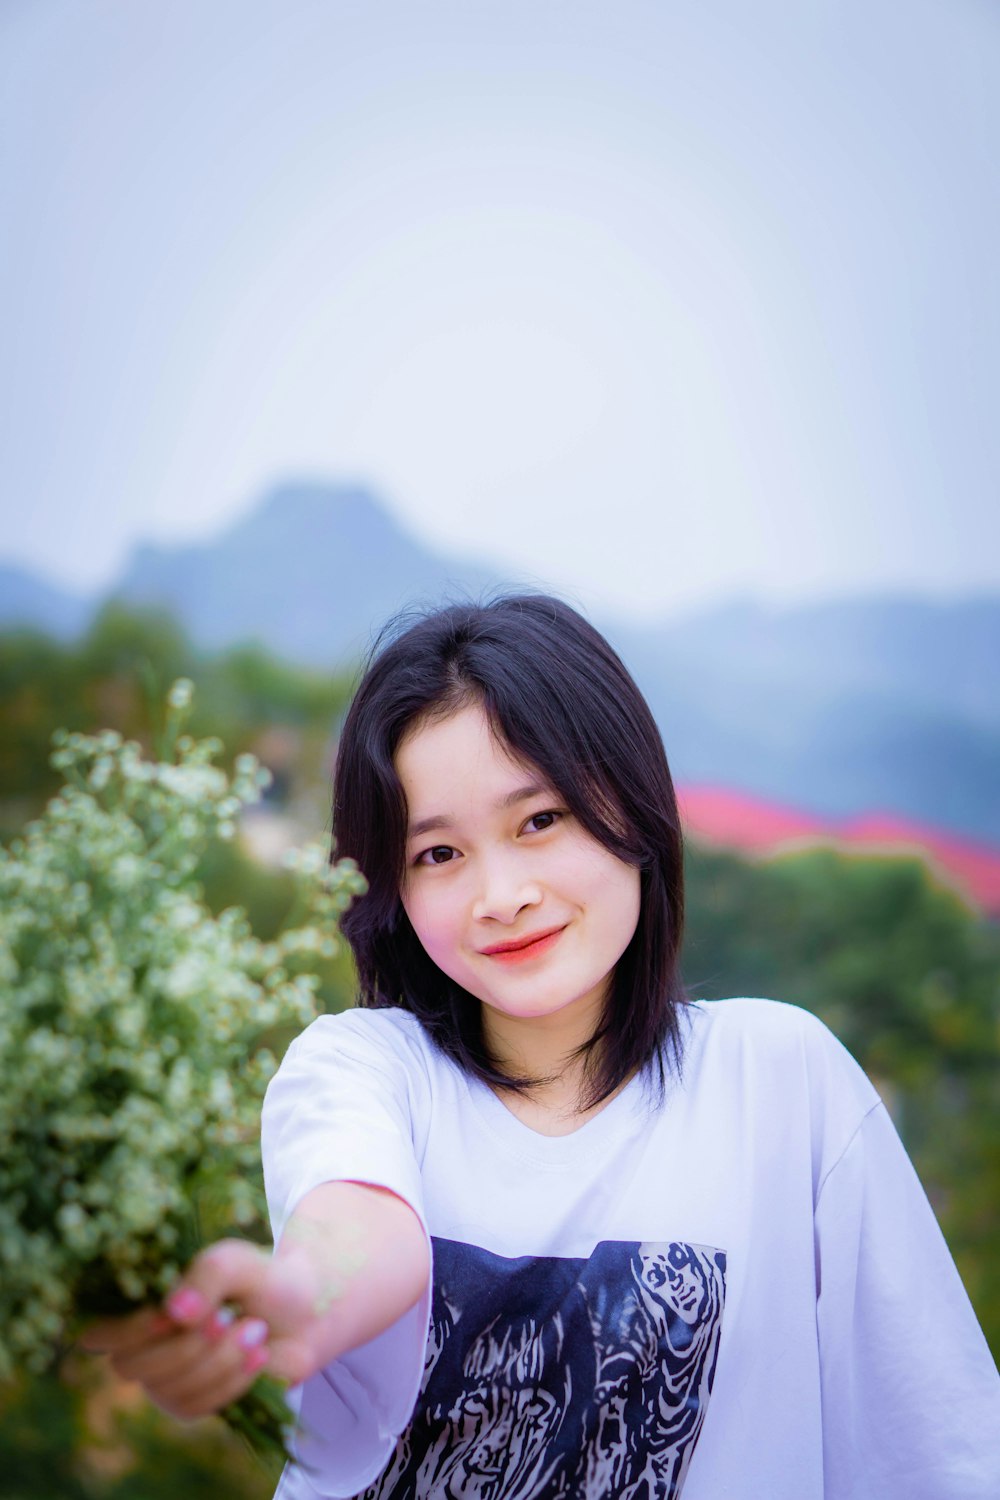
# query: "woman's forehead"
{"points": [[468, 727], [460, 754]]}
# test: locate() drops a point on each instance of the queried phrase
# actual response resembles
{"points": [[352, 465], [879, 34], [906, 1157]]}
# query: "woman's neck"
{"points": [[542, 1047]]}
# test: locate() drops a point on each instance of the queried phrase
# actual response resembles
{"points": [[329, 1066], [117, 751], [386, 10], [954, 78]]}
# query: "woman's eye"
{"points": [[539, 821], [441, 854]]}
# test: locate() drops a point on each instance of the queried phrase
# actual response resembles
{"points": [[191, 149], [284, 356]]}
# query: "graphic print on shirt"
{"points": [[557, 1379]]}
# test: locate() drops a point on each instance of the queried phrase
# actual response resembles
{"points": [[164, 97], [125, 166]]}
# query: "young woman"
{"points": [[545, 1228]]}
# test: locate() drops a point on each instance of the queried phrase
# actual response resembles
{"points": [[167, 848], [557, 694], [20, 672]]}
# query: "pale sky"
{"points": [[661, 302]]}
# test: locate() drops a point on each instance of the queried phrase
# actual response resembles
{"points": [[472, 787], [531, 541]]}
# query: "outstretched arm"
{"points": [[352, 1260]]}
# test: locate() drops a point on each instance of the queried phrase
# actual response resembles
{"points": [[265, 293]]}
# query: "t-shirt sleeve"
{"points": [[341, 1109], [911, 1396]]}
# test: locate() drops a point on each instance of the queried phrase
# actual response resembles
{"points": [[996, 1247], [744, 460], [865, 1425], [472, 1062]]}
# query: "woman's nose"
{"points": [[505, 890]]}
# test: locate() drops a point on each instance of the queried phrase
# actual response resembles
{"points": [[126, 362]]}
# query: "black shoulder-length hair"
{"points": [[557, 694]]}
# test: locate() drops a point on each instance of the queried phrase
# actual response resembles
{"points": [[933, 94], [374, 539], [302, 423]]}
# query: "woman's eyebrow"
{"points": [[427, 825], [445, 820], [522, 793]]}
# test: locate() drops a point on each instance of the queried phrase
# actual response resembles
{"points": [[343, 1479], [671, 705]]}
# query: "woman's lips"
{"points": [[508, 954]]}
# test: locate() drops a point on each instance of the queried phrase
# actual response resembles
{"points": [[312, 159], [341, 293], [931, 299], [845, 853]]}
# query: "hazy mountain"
{"points": [[27, 600], [309, 573], [909, 649], [837, 709]]}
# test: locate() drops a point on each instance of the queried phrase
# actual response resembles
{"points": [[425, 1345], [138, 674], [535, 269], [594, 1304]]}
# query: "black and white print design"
{"points": [[558, 1379]]}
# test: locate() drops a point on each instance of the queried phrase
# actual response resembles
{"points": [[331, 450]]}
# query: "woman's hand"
{"points": [[195, 1356], [353, 1259]]}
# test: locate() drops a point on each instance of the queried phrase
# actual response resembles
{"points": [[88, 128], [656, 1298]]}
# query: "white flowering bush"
{"points": [[132, 1022]]}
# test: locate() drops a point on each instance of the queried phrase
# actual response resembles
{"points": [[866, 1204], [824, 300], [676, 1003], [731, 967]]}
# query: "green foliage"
{"points": [[38, 687], [42, 1431], [117, 677], [63, 1439], [904, 973], [122, 640], [229, 877], [132, 1036]]}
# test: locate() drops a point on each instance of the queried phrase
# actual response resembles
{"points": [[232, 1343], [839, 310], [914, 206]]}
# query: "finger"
{"points": [[161, 1360], [231, 1271], [178, 1363], [216, 1375], [213, 1394], [114, 1335]]}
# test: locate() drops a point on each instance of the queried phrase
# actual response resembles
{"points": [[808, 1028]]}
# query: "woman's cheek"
{"points": [[435, 926]]}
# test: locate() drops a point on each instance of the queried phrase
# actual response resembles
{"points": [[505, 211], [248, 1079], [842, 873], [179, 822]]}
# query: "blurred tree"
{"points": [[83, 1437], [125, 664], [117, 677], [42, 1430], [897, 965], [38, 684]]}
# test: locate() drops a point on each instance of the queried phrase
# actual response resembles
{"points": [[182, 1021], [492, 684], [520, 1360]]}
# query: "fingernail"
{"points": [[219, 1322], [186, 1305], [254, 1360], [253, 1334]]}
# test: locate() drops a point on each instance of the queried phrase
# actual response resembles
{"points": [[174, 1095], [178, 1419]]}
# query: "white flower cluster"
{"points": [[131, 1025]]}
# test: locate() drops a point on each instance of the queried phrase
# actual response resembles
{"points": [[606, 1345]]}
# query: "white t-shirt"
{"points": [[740, 1293]]}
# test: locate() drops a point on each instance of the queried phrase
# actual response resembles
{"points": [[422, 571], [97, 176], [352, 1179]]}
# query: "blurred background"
{"points": [[313, 312]]}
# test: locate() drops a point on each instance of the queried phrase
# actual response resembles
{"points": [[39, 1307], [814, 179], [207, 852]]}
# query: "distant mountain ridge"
{"points": [[836, 709], [27, 599], [870, 706], [309, 573]]}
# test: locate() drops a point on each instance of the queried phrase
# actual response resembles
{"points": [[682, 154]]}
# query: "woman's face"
{"points": [[508, 894]]}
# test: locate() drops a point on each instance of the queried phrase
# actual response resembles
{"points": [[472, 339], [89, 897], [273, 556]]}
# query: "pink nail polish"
{"points": [[186, 1305], [253, 1334]]}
